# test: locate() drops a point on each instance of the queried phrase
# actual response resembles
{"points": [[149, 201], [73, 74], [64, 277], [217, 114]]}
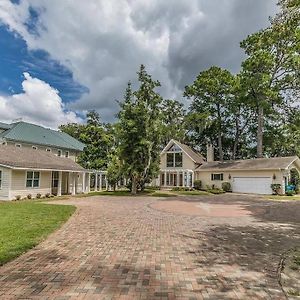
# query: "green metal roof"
{"points": [[35, 134], [5, 126]]}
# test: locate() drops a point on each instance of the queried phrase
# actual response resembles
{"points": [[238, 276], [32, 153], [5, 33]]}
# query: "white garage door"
{"points": [[252, 185]]}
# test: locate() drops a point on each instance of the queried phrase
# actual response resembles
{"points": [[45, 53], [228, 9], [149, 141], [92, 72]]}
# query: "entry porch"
{"points": [[176, 178]]}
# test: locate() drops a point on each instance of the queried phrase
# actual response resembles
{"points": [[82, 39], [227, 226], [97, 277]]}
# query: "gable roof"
{"points": [[26, 158], [251, 164], [35, 134], [195, 156]]}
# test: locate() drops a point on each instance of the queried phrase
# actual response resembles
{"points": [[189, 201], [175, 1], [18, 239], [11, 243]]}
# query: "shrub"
{"points": [[48, 195], [216, 191], [18, 197], [197, 184], [38, 195], [276, 187], [226, 186], [290, 193], [29, 196]]}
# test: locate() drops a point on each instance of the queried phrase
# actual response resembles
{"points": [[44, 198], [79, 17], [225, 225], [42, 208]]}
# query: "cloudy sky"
{"points": [[60, 58]]}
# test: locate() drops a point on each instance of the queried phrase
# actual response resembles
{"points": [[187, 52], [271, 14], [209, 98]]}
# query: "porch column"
{"points": [[89, 183], [83, 182], [183, 178], [74, 184], [59, 183], [177, 184], [100, 183], [193, 179], [96, 182], [165, 179], [106, 182]]}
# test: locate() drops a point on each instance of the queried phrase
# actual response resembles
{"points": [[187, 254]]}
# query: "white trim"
{"points": [[26, 178], [34, 147], [296, 158], [48, 150], [174, 142], [59, 151]]}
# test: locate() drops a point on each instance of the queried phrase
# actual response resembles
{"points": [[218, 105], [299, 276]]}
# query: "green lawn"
{"points": [[24, 224], [192, 193], [275, 197]]}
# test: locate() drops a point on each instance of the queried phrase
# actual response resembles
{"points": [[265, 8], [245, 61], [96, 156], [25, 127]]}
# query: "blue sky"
{"points": [[16, 59], [59, 59]]}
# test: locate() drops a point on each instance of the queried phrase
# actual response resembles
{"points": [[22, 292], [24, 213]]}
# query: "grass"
{"points": [[192, 193], [24, 224], [277, 197]]}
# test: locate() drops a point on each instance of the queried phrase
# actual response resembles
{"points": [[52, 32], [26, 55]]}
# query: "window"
{"points": [[217, 177], [0, 179], [32, 179], [48, 150], [18, 145], [174, 160], [67, 154], [59, 152], [55, 179], [34, 147], [4, 143]]}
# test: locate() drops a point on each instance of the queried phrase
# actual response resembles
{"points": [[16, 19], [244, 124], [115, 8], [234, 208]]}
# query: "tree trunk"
{"points": [[221, 156], [134, 186], [260, 126]]}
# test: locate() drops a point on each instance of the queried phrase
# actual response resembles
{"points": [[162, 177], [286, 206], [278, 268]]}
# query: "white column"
{"points": [[100, 184], [83, 182], [89, 183], [193, 179], [177, 184], [59, 183], [183, 179], [165, 179], [96, 182], [74, 184], [106, 182]]}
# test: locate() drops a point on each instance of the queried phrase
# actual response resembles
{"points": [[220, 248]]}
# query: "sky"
{"points": [[59, 59]]}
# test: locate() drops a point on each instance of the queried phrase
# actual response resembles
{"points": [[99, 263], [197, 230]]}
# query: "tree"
{"points": [[114, 171], [139, 131], [212, 93], [270, 74], [173, 121]]}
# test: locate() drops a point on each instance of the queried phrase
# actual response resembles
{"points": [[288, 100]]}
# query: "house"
{"points": [[36, 160], [181, 166]]}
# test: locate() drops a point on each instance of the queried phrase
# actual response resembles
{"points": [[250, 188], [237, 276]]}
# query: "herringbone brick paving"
{"points": [[125, 248]]}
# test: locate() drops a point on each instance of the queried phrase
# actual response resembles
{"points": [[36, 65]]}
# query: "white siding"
{"points": [[4, 190]]}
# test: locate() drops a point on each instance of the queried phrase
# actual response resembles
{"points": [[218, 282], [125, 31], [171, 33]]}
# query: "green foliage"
{"points": [[215, 191], [290, 193], [276, 187], [197, 184], [114, 171], [226, 187], [139, 131], [180, 189]]}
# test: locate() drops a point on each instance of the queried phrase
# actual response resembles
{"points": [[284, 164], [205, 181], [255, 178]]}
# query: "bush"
{"points": [[276, 187], [226, 186], [216, 191], [197, 184], [48, 195], [29, 196], [290, 193], [18, 197], [38, 196], [181, 189]]}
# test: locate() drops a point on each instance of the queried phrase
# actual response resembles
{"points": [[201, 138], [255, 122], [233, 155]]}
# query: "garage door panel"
{"points": [[252, 185]]}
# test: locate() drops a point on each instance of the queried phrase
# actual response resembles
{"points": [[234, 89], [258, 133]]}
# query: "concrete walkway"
{"points": [[147, 248]]}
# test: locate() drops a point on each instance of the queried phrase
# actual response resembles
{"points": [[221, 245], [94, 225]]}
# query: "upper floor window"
{"points": [[217, 176], [18, 145], [4, 143], [174, 148], [34, 147], [32, 179], [67, 154], [174, 160], [48, 150], [59, 152], [0, 179]]}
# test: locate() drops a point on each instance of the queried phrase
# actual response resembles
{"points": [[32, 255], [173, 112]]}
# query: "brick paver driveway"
{"points": [[145, 248]]}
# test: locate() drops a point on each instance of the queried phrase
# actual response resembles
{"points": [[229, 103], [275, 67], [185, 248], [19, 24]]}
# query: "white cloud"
{"points": [[39, 103], [104, 42]]}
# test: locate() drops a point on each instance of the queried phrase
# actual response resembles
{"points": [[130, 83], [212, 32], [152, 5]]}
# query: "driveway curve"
{"points": [[143, 248]]}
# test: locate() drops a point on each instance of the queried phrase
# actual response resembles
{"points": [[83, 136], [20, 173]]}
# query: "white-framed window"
{"points": [[34, 147], [32, 179], [48, 150], [0, 179], [59, 152], [67, 154], [215, 177], [18, 145], [4, 143]]}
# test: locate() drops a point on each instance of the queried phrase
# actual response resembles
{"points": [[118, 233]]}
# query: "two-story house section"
{"points": [[177, 165], [27, 135]]}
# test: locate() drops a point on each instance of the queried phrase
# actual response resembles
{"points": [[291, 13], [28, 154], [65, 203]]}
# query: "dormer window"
{"points": [[67, 154], [34, 147], [18, 145], [59, 152], [48, 150]]}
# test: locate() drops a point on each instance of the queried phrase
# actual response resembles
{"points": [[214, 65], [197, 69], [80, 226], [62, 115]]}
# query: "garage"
{"points": [[252, 185]]}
